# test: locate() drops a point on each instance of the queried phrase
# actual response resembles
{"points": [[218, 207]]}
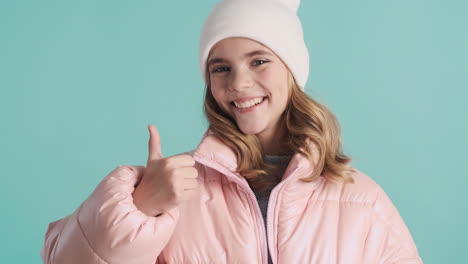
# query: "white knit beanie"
{"points": [[274, 23]]}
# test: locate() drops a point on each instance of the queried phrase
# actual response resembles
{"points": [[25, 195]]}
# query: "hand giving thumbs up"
{"points": [[167, 182]]}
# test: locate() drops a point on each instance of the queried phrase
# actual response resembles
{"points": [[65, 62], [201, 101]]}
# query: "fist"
{"points": [[166, 182]]}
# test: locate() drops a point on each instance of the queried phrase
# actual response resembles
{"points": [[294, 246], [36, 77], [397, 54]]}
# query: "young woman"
{"points": [[267, 184]]}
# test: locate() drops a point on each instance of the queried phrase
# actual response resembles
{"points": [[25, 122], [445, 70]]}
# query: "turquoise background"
{"points": [[81, 80]]}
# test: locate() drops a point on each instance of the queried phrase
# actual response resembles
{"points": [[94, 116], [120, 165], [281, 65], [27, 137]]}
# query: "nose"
{"points": [[241, 79]]}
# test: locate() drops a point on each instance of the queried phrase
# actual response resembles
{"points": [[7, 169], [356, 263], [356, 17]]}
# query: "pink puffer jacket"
{"points": [[317, 222]]}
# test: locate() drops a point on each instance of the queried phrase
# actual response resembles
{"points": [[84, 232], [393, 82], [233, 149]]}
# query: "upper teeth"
{"points": [[249, 103]]}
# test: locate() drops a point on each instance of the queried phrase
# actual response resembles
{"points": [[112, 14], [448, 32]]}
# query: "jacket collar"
{"points": [[213, 151]]}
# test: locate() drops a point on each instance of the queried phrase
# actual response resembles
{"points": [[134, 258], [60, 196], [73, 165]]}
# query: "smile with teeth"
{"points": [[247, 104]]}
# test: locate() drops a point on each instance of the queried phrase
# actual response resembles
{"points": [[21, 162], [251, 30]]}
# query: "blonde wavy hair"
{"points": [[304, 118]]}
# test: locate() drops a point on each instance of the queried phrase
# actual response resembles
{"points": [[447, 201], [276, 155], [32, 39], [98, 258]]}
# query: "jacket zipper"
{"points": [[241, 181], [271, 214], [259, 218]]}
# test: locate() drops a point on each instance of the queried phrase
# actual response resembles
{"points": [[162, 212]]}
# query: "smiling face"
{"points": [[250, 83]]}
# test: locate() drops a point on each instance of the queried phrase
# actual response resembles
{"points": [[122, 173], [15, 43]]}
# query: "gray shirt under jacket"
{"points": [[263, 197]]}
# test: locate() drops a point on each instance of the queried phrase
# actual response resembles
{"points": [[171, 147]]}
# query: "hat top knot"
{"points": [[292, 4]]}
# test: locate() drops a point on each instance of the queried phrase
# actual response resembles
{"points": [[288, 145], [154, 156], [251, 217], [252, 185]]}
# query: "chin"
{"points": [[250, 130]]}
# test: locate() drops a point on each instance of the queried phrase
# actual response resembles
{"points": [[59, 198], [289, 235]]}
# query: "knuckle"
{"points": [[174, 175], [189, 158], [169, 162], [192, 160], [171, 165], [163, 163], [177, 197], [171, 188], [172, 196]]}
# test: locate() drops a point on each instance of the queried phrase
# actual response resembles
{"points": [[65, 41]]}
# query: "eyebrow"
{"points": [[246, 55]]}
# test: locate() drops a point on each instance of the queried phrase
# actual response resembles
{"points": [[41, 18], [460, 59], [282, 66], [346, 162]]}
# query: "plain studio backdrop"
{"points": [[81, 80]]}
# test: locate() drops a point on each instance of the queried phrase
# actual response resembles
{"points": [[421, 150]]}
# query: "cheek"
{"points": [[276, 76], [282, 95], [219, 96]]}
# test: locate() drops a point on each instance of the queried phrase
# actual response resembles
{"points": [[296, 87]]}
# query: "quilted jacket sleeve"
{"points": [[389, 240], [108, 228]]}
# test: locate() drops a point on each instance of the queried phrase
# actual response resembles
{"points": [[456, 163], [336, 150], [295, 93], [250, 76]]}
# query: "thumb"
{"points": [[154, 144]]}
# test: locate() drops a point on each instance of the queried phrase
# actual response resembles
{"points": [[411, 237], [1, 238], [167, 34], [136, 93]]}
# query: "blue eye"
{"points": [[225, 68], [217, 69], [264, 61]]}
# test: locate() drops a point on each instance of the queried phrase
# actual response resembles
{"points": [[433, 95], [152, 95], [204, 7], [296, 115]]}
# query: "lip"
{"points": [[248, 98], [252, 108]]}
